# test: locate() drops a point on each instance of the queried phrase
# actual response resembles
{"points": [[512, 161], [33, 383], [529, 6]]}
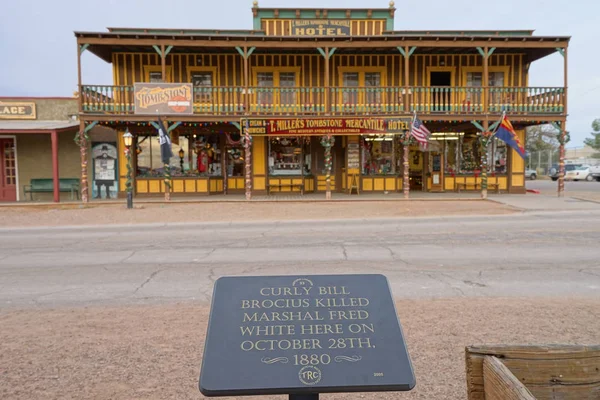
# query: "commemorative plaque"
{"points": [[302, 335]]}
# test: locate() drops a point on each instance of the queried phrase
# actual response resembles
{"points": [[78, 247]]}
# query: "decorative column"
{"points": [[328, 142], [248, 160], [82, 139], [563, 138], [55, 175], [486, 136], [405, 169]]}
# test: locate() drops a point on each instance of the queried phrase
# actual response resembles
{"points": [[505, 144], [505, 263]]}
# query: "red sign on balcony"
{"points": [[163, 98], [327, 126]]}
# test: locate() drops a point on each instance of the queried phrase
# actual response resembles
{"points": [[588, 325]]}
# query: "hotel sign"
{"points": [[163, 98], [327, 126], [12, 110], [319, 27]]}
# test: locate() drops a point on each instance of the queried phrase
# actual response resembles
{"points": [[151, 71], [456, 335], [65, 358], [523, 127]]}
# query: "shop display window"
{"points": [[206, 159], [463, 153], [378, 155], [149, 163], [289, 156]]}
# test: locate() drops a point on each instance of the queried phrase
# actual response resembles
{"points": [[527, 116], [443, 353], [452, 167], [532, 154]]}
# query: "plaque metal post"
{"points": [[307, 396]]}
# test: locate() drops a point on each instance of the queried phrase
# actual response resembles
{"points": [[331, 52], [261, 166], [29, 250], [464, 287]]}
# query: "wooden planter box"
{"points": [[533, 372]]}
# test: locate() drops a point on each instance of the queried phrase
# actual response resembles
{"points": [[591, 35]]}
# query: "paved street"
{"points": [[548, 186], [532, 254]]}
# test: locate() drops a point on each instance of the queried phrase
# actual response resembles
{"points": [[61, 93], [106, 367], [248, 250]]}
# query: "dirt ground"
{"points": [[154, 352], [228, 212]]}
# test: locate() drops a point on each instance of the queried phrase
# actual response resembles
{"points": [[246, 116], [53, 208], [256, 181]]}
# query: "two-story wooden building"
{"points": [[300, 74]]}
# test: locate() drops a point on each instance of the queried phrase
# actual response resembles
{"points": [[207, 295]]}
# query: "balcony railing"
{"points": [[233, 101]]}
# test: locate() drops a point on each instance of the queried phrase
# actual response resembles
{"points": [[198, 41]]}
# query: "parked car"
{"points": [[579, 174], [568, 167], [595, 172], [531, 174]]}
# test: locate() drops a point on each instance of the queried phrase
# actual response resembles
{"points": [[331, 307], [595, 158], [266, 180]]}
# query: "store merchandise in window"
{"points": [[235, 154], [377, 155], [207, 155], [497, 152], [289, 156], [149, 162]]}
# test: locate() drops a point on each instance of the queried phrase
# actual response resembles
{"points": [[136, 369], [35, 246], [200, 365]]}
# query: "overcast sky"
{"points": [[38, 48]]}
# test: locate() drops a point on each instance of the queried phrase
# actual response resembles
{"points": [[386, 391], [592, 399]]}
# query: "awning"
{"points": [[36, 126]]}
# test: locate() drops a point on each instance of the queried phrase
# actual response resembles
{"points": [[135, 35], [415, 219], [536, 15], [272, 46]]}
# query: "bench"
{"points": [[461, 185], [282, 185], [47, 186]]}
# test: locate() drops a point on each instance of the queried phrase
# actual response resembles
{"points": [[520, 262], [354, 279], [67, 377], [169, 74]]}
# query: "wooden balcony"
{"points": [[310, 101]]}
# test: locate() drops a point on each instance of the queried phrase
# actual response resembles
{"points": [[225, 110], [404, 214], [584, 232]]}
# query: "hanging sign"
{"points": [[11, 110], [328, 126], [319, 27], [163, 98]]}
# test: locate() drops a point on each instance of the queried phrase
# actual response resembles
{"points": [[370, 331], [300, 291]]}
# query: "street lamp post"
{"points": [[128, 141]]}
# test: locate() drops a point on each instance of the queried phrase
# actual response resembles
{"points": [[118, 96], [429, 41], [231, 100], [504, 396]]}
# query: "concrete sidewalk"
{"points": [[539, 202]]}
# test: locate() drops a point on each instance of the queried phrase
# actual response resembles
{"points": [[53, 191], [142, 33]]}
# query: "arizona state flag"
{"points": [[507, 133]]}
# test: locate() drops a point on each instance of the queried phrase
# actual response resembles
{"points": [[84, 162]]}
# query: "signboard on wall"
{"points": [[104, 185], [353, 156], [320, 27], [327, 126], [17, 110], [163, 98]]}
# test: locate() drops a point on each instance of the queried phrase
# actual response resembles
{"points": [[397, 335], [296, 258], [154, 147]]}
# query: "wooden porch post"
{"points": [[406, 86], [485, 81], [327, 83], [79, 94], [55, 175], [163, 62], [563, 132], [246, 80]]}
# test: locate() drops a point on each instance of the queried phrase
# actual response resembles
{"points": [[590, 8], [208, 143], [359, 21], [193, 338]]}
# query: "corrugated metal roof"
{"points": [[35, 125]]}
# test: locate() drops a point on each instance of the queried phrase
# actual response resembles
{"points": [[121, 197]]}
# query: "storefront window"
{"points": [[497, 156], [377, 156], [206, 159], [289, 156], [235, 154], [149, 162]]}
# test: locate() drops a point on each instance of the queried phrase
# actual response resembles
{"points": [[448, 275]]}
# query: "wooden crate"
{"points": [[553, 372]]}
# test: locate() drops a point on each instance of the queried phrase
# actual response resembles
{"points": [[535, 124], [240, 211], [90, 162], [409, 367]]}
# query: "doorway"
{"points": [[8, 170], [441, 98]]}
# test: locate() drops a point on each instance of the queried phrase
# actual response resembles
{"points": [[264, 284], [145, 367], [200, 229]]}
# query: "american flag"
{"points": [[420, 132]]}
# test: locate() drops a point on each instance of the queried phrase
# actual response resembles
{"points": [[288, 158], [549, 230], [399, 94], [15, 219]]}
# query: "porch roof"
{"points": [[117, 40], [35, 126]]}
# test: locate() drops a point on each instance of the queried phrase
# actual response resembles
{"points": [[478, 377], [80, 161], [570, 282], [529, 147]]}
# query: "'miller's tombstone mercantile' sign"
{"points": [[163, 98], [304, 335], [20, 110], [327, 126]]}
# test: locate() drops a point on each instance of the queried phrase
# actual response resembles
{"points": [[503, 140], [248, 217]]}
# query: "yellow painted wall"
{"points": [[518, 165]]}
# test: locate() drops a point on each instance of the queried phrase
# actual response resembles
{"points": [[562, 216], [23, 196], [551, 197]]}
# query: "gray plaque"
{"points": [[304, 334]]}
